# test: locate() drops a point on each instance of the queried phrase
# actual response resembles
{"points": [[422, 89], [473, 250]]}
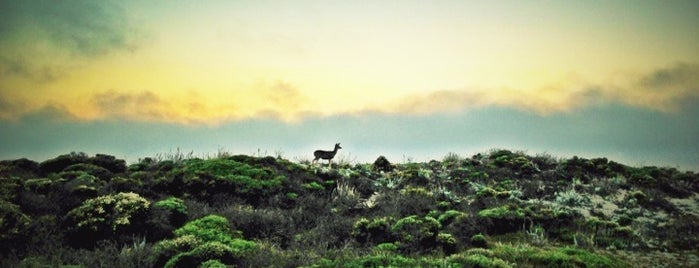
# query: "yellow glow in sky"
{"points": [[182, 61]]}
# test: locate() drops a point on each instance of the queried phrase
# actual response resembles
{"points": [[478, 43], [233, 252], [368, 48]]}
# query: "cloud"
{"points": [[283, 101], [42, 40], [144, 105], [82, 27], [8, 108], [664, 89]]}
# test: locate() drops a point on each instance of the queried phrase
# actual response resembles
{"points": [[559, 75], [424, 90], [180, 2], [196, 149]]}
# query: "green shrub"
{"points": [[386, 247], [572, 198], [166, 215], [479, 240], [314, 186], [375, 231], [91, 169], [40, 186], [173, 204], [503, 212], [212, 264], [478, 260], [10, 188], [572, 257], [205, 178], [122, 184], [105, 216], [416, 234], [415, 201], [59, 163], [208, 228], [13, 222], [201, 240], [527, 255], [449, 216], [447, 242]]}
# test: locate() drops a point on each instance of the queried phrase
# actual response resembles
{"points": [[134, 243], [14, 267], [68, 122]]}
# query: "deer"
{"points": [[328, 155]]}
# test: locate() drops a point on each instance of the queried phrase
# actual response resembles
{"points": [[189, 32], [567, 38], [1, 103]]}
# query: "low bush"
{"points": [[13, 225], [478, 260], [205, 178], [415, 234], [202, 240], [110, 216]]}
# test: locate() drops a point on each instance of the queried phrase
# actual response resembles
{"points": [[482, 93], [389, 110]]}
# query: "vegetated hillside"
{"points": [[497, 209]]}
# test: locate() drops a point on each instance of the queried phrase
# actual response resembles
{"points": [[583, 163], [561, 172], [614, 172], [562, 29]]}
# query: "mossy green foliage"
{"points": [[449, 216], [201, 240], [228, 176], [509, 211], [314, 186], [415, 231], [172, 204]]}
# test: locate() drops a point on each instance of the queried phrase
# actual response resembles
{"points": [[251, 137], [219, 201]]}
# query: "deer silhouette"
{"points": [[328, 155]]}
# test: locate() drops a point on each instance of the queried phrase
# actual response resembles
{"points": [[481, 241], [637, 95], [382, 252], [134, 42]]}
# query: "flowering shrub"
{"points": [[108, 215]]}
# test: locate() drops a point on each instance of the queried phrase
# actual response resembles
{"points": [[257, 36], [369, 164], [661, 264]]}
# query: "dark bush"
{"points": [[20, 167], [374, 231], [61, 162], [479, 241], [382, 164], [10, 188], [122, 184], [416, 234], [13, 226], [109, 162], [94, 170]]}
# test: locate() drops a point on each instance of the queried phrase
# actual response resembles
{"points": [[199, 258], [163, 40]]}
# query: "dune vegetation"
{"points": [[493, 209]]}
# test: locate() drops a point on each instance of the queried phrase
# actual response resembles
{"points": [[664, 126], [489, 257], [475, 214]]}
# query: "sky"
{"points": [[411, 80]]}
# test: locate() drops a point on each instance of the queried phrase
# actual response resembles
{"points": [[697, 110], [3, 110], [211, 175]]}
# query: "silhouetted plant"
{"points": [[19, 168], [109, 162], [61, 162], [382, 164]]}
